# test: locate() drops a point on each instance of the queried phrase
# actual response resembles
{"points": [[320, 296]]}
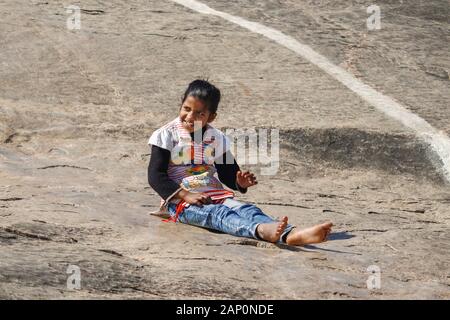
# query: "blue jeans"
{"points": [[232, 217]]}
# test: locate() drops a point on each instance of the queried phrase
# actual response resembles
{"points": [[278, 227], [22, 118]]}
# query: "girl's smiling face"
{"points": [[193, 111]]}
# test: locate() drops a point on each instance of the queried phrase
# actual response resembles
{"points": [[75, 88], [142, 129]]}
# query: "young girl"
{"points": [[188, 152]]}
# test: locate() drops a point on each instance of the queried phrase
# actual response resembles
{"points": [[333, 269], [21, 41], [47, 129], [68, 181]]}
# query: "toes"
{"points": [[327, 233], [327, 227], [271, 232], [280, 228]]}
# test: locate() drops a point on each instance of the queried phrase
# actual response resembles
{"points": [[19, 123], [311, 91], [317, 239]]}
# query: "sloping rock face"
{"points": [[77, 108]]}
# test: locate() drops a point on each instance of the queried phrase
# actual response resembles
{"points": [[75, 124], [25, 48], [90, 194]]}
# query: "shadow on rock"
{"points": [[344, 235]]}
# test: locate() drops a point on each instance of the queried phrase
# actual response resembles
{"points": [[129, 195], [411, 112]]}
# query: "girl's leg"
{"points": [[253, 213], [314, 234], [222, 218], [248, 211], [217, 217]]}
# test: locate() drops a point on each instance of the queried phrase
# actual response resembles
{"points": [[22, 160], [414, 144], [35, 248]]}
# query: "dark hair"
{"points": [[204, 91]]}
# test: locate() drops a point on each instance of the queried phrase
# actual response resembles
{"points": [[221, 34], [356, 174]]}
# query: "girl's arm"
{"points": [[227, 171], [166, 187], [157, 173]]}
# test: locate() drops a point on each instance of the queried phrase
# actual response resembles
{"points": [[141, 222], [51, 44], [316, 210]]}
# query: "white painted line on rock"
{"points": [[438, 140]]}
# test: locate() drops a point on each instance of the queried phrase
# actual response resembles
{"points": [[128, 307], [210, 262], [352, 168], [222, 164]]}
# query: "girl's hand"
{"points": [[195, 198], [246, 179]]}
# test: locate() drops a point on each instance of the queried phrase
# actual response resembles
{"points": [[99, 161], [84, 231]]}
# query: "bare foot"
{"points": [[315, 234], [272, 231]]}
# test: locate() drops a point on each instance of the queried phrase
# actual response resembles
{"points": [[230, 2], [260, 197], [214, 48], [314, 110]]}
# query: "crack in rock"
{"points": [[280, 204], [369, 230], [414, 211], [111, 252], [63, 166], [27, 235], [41, 230], [94, 12], [11, 199]]}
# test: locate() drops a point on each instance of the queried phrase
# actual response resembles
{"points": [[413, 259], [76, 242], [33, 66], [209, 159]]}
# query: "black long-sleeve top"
{"points": [[165, 187]]}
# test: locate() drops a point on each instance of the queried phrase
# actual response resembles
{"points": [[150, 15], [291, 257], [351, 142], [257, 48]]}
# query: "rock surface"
{"points": [[77, 108]]}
